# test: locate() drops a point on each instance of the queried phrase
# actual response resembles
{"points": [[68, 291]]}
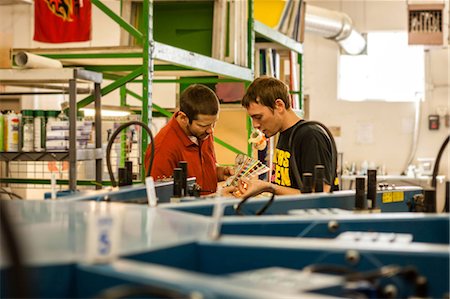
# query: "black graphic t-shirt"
{"points": [[311, 147]]}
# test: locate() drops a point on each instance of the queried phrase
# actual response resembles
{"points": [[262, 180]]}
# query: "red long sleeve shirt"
{"points": [[173, 145]]}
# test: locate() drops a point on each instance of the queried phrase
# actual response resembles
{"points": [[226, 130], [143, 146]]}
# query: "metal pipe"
{"points": [[327, 23], [416, 133], [336, 26]]}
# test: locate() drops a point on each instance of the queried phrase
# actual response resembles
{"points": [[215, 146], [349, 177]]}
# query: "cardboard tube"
{"points": [[33, 61]]}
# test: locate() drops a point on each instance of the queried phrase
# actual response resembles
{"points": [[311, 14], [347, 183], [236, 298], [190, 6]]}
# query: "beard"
{"points": [[199, 136]]}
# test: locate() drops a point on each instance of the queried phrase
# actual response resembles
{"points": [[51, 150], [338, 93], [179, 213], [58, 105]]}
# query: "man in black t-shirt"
{"points": [[268, 103]]}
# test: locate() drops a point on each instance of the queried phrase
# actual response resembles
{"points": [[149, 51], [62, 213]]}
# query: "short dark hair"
{"points": [[198, 99], [265, 90]]}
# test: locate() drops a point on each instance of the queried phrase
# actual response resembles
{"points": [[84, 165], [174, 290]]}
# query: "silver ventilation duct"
{"points": [[336, 26]]}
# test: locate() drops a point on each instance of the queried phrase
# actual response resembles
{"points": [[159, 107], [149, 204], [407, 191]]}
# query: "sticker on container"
{"points": [[102, 236], [151, 193]]}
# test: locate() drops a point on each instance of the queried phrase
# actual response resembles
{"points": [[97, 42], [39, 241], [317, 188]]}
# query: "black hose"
{"points": [[329, 269], [264, 208], [10, 194], [19, 280], [438, 161], [111, 141], [139, 291], [436, 170], [409, 273], [333, 153]]}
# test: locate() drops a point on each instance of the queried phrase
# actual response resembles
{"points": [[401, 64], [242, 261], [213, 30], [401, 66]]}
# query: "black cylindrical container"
{"points": [[360, 198], [177, 182], [183, 166], [430, 200], [319, 171], [129, 172], [372, 188], [307, 182], [122, 176]]}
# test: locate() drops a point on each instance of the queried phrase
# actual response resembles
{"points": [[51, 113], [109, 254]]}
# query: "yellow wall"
{"points": [[232, 129]]}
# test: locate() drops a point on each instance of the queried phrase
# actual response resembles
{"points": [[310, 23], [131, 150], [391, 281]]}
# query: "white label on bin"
{"points": [[102, 237], [151, 193]]}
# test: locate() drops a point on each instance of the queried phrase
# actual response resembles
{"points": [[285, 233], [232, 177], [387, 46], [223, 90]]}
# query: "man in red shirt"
{"points": [[189, 137]]}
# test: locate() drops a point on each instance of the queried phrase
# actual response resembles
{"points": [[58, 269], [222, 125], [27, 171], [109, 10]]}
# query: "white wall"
{"points": [[391, 122], [18, 20]]}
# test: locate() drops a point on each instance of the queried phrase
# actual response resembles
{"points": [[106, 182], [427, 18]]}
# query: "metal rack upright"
{"points": [[52, 79]]}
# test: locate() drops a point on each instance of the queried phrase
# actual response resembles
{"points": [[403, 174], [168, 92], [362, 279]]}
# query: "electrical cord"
{"points": [[19, 277], [10, 194], [328, 269], [264, 208], [409, 273], [196, 190], [333, 153], [436, 170], [111, 141], [139, 291], [438, 161]]}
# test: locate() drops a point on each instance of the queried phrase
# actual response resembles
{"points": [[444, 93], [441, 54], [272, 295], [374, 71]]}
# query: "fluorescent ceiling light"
{"points": [[105, 112]]}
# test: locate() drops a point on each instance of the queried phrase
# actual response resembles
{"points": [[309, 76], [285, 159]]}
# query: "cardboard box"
{"points": [[5, 50]]}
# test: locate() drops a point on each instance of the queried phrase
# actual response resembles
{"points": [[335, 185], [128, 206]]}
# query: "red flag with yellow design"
{"points": [[62, 21]]}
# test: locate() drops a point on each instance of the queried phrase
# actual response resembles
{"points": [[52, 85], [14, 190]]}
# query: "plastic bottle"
{"points": [[39, 130], [2, 130], [51, 116], [27, 130], [19, 142], [12, 125]]}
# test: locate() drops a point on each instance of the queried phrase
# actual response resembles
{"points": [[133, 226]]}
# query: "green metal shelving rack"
{"points": [[123, 65]]}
